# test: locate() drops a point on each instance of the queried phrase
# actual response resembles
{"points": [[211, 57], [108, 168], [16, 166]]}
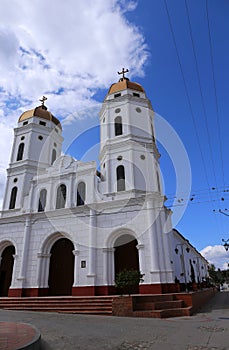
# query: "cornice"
{"points": [[144, 102]]}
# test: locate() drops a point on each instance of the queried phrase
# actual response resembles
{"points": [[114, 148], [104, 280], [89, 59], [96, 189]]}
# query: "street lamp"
{"points": [[226, 245], [183, 261]]}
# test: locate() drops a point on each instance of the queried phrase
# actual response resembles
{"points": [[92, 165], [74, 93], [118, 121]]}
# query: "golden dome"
{"points": [[40, 112], [124, 84]]}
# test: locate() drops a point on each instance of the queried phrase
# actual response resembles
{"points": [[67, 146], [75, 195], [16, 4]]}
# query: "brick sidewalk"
{"points": [[17, 335]]}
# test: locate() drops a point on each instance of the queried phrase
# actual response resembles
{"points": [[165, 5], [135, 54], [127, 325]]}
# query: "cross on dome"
{"points": [[123, 73], [43, 99]]}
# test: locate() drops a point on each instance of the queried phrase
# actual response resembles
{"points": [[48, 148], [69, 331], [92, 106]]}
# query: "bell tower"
{"points": [[128, 152], [37, 143]]}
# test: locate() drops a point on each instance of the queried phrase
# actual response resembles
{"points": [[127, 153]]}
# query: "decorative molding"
{"points": [[43, 255], [75, 252]]}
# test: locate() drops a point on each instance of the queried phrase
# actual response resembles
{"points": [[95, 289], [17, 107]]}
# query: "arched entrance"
{"points": [[126, 253], [61, 269], [6, 269]]}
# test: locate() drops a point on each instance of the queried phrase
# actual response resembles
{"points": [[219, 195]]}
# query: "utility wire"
{"points": [[187, 94], [215, 93], [201, 93], [186, 90], [50, 216]]}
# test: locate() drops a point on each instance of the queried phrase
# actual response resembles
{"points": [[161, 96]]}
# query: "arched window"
{"points": [[81, 193], [13, 198], [20, 151], [53, 156], [120, 172], [61, 197], [42, 200], [118, 126]]}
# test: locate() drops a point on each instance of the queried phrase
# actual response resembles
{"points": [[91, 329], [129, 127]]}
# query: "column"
{"points": [[105, 266], [13, 280], [154, 255], [25, 249], [76, 267], [111, 267], [92, 243], [74, 191], [141, 258], [31, 201], [108, 266], [43, 270], [160, 243], [51, 196], [69, 202], [165, 242]]}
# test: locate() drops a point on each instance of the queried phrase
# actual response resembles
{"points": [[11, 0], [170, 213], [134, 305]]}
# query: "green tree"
{"points": [[217, 276]]}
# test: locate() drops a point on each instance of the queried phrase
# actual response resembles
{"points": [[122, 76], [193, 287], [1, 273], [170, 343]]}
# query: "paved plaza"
{"points": [[207, 330]]}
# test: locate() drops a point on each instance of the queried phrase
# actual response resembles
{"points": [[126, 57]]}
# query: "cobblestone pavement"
{"points": [[208, 330]]}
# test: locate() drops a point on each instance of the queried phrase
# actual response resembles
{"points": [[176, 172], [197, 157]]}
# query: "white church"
{"points": [[68, 229]]}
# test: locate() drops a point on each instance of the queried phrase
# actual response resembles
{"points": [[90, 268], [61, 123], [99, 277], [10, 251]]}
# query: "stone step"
{"points": [[43, 306], [159, 305], [80, 305], [185, 311], [44, 302], [157, 298], [175, 304], [89, 311], [50, 299]]}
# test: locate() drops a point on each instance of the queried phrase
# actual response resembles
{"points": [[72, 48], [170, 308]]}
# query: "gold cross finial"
{"points": [[123, 72], [43, 99]]}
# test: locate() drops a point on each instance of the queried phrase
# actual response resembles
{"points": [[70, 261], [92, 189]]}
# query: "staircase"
{"points": [[75, 305], [160, 306], [156, 306]]}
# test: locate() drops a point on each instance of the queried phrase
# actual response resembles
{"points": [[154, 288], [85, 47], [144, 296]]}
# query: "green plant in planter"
{"points": [[127, 280]]}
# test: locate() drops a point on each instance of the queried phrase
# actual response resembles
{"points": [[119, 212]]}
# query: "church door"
{"points": [[6, 270], [126, 254], [61, 269]]}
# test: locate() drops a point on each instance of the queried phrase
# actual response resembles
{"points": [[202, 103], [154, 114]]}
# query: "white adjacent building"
{"points": [[68, 229]]}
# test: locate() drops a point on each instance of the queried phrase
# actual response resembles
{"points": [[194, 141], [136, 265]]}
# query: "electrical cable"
{"points": [[215, 92], [188, 98]]}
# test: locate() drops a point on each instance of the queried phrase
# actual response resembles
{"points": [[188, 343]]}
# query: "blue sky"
{"points": [[177, 49]]}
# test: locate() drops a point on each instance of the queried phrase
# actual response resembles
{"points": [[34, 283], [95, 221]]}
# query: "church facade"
{"points": [[68, 229]]}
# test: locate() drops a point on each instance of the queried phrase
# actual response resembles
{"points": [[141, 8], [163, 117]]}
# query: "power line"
{"points": [[50, 215], [201, 92], [215, 93], [204, 191], [187, 94], [186, 90]]}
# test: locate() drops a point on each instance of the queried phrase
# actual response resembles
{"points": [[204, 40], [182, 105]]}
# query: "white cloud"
{"points": [[65, 50], [216, 255], [74, 45], [9, 46], [6, 140]]}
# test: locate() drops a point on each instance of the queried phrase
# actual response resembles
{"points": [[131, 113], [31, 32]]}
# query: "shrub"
{"points": [[127, 280]]}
